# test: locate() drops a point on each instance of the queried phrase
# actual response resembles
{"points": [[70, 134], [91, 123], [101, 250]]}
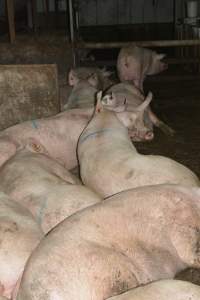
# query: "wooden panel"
{"points": [[27, 92]]}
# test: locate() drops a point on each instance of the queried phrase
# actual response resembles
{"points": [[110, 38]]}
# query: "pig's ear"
{"points": [[99, 105], [161, 56], [109, 101], [121, 108], [146, 102]]}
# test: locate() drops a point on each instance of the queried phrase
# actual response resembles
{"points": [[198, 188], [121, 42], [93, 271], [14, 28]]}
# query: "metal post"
{"points": [[71, 21], [71, 28], [11, 19]]}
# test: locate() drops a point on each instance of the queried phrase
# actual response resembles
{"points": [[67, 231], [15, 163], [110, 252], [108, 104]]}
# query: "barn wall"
{"points": [[110, 12]]}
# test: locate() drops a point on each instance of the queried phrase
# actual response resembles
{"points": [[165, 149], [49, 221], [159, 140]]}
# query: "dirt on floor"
{"points": [[177, 102]]}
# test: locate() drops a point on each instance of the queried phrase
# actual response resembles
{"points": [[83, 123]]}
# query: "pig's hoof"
{"points": [[167, 130]]}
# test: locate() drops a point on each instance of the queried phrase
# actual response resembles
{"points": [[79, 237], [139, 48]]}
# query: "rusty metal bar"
{"points": [[161, 43]]}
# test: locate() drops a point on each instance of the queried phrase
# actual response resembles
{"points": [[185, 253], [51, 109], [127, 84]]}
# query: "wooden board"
{"points": [[27, 92]]}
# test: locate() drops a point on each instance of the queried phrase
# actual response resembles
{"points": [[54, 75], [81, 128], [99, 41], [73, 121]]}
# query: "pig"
{"points": [[134, 237], [135, 63], [44, 187], [85, 82], [110, 163], [19, 236], [98, 78], [128, 92], [83, 95], [163, 290], [57, 136]]}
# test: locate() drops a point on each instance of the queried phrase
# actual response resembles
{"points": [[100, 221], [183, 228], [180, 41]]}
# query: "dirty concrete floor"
{"points": [[177, 102]]}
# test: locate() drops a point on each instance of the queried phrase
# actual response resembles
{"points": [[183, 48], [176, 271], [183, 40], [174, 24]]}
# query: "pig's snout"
{"points": [[149, 136], [138, 136]]}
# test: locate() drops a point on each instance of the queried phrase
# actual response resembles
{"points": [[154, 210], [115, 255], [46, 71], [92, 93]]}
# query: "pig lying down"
{"points": [[19, 235], [110, 163], [86, 83], [57, 136], [132, 238], [44, 187], [163, 290], [82, 95], [135, 63], [98, 78]]}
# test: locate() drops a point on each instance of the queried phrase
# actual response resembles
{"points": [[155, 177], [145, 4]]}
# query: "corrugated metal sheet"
{"points": [[110, 12]]}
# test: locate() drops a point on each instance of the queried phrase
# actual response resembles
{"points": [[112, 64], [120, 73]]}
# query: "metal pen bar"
{"points": [[161, 43]]}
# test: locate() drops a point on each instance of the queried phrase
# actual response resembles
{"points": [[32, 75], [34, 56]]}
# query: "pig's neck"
{"points": [[106, 126]]}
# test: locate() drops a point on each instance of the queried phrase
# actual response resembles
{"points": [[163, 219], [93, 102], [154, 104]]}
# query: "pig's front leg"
{"points": [[159, 123]]}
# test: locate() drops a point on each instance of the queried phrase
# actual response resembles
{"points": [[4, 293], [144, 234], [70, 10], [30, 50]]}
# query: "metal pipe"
{"points": [[71, 21], [161, 43], [71, 33]]}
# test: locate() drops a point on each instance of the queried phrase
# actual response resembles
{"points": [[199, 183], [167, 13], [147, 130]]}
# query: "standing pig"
{"points": [[57, 136], [44, 187], [109, 162], [19, 235], [133, 238], [128, 92], [163, 290], [135, 63]]}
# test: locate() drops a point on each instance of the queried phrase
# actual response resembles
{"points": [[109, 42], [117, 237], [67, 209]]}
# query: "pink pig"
{"points": [[135, 63]]}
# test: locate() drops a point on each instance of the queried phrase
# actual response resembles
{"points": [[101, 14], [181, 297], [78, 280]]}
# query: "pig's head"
{"points": [[157, 65], [132, 119]]}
